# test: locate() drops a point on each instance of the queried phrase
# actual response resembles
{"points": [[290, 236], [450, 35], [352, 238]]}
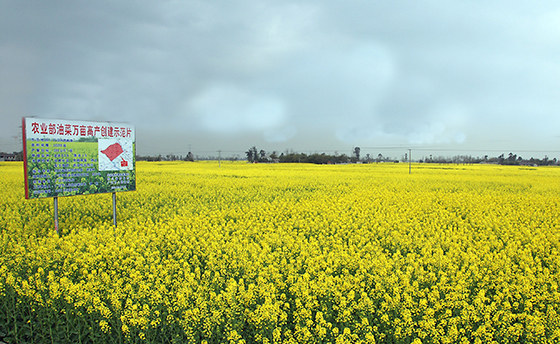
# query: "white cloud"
{"points": [[231, 109], [435, 133], [280, 135], [549, 24], [459, 137]]}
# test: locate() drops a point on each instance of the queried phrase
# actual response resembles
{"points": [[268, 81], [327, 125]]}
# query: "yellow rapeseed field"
{"points": [[287, 253]]}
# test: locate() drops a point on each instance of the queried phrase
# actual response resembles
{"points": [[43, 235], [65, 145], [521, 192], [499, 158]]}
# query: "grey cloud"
{"points": [[288, 74]]}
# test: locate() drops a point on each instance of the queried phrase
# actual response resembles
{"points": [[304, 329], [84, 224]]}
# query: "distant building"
{"points": [[7, 156]]}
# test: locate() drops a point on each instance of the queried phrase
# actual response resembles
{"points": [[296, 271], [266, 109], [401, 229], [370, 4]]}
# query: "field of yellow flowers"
{"points": [[287, 253]]}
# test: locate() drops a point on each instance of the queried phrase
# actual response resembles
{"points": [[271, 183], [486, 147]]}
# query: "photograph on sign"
{"points": [[67, 158]]}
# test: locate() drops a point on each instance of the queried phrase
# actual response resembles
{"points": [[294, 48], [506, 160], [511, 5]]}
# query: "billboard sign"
{"points": [[67, 157]]}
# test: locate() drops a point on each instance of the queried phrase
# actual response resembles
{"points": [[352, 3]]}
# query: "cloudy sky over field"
{"points": [[449, 77]]}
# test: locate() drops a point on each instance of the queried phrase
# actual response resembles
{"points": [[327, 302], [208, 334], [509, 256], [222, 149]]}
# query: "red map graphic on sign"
{"points": [[113, 151]]}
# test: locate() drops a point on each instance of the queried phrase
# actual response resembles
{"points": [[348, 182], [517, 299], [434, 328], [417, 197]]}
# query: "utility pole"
{"points": [[219, 158]]}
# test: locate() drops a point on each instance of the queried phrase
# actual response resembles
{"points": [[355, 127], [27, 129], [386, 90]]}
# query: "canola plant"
{"points": [[287, 253]]}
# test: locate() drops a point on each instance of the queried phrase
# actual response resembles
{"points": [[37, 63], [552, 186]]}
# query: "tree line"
{"points": [[255, 155], [168, 157], [502, 159]]}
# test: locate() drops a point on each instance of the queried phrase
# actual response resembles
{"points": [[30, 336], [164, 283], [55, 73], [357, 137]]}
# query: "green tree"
{"points": [[357, 153], [189, 157], [252, 155]]}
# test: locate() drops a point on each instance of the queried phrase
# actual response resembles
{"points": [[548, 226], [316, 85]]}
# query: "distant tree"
{"points": [[357, 153], [341, 159], [19, 156], [379, 157], [252, 155], [319, 158], [500, 158], [189, 157]]}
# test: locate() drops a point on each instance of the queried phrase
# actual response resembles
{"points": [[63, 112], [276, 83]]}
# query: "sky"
{"points": [[439, 77]]}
